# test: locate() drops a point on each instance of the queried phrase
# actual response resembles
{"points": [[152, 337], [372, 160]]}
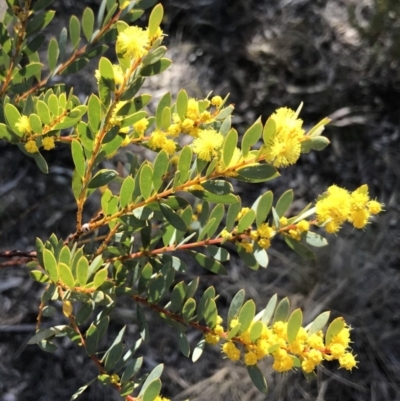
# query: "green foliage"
{"points": [[183, 200]]}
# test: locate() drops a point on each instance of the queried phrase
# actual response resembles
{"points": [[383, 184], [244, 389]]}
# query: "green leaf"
{"points": [[114, 353], [246, 221], [127, 389], [84, 312], [164, 102], [248, 258], [334, 329], [78, 157], [300, 249], [255, 331], [205, 230], [50, 265], [269, 131], [198, 350], [155, 19], [218, 187], [229, 146], [192, 287], [94, 112], [74, 31], [35, 123], [82, 270], [213, 198], [100, 277], [178, 295], [319, 322], [173, 218], [218, 253], [160, 169], [126, 191], [188, 310], [234, 331], [184, 162], [41, 162], [135, 105], [210, 313], [293, 325], [261, 256], [233, 212], [84, 387], [315, 240], [166, 118], [102, 177], [65, 275], [131, 369], [246, 314], [235, 306], [39, 22], [251, 136], [92, 339], [28, 71], [217, 214], [284, 202], [156, 288], [53, 53], [39, 276], [257, 173], [156, 68], [146, 181], [154, 56], [152, 390], [44, 334], [7, 134], [76, 184], [41, 5], [316, 143], [257, 378], [181, 104], [209, 263], [262, 206], [113, 356], [282, 311], [208, 293], [12, 116], [153, 375], [269, 310], [88, 23], [226, 126]]}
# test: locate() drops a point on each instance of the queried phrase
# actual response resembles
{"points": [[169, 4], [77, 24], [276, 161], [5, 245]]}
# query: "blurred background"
{"points": [[342, 59]]}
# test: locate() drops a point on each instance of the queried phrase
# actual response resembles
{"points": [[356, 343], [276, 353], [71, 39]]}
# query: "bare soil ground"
{"points": [[341, 57]]}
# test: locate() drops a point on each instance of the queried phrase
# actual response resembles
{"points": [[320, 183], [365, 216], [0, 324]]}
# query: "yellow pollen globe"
{"points": [[31, 147], [133, 42], [48, 143]]}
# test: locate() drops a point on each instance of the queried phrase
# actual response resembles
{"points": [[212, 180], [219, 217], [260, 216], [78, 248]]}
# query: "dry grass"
{"points": [[267, 54]]}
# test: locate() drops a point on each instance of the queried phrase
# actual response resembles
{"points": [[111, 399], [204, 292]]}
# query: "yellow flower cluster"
{"points": [[196, 114], [284, 148], [207, 144], [301, 227], [207, 141], [214, 336], [133, 42], [23, 125], [338, 205], [306, 351], [160, 140]]}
